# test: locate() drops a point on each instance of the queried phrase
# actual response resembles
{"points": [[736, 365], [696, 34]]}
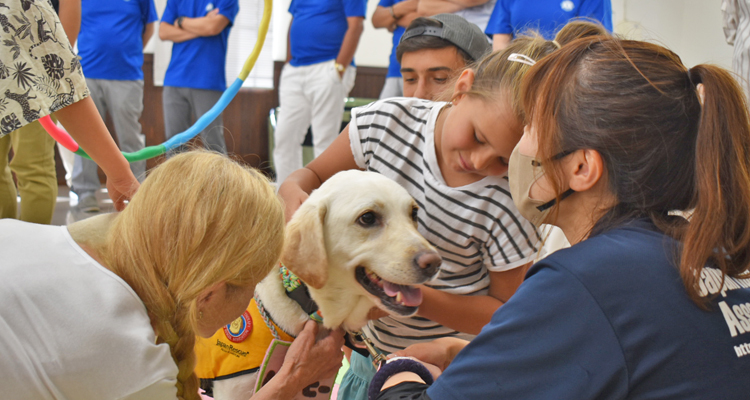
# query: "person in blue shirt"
{"points": [[318, 75], [113, 35], [196, 77], [647, 176], [394, 15], [511, 17]]}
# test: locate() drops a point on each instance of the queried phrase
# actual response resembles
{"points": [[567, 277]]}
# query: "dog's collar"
{"points": [[296, 290], [378, 358]]}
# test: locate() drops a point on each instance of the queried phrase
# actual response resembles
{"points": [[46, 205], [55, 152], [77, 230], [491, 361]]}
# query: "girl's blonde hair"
{"points": [[198, 219], [496, 75]]}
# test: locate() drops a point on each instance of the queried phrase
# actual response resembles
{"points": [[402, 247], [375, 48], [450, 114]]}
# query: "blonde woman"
{"points": [[109, 307]]}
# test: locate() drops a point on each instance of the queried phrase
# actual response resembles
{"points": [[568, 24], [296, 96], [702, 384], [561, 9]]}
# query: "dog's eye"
{"points": [[414, 214], [367, 219]]}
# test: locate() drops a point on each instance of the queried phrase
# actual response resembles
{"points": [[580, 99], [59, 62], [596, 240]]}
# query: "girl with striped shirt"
{"points": [[453, 159]]}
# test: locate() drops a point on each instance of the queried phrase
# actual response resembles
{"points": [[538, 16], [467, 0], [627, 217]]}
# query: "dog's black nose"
{"points": [[428, 261]]}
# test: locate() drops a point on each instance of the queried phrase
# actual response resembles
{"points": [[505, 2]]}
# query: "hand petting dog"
{"points": [[306, 362]]}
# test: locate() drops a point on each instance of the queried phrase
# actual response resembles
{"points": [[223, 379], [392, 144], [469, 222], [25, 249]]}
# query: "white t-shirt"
{"points": [[476, 228], [70, 328], [478, 15]]}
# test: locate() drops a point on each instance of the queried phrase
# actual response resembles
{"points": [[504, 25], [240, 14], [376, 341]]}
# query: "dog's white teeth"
{"points": [[373, 277], [399, 298]]}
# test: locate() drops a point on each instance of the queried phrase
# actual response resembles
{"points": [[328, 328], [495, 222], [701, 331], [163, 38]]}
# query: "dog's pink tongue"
{"points": [[412, 296]]}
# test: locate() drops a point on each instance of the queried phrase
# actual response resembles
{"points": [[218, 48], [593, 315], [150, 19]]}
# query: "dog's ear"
{"points": [[304, 246]]}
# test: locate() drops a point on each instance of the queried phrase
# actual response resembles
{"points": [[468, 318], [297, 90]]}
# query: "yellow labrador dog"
{"points": [[354, 243]]}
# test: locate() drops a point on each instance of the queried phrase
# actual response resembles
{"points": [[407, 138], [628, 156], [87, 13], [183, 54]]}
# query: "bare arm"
{"points": [[351, 40], [428, 8], [407, 19], [382, 17], [70, 17], [210, 25], [289, 42], [148, 31], [174, 34], [501, 41], [306, 362], [82, 120], [300, 183], [468, 3], [470, 313]]}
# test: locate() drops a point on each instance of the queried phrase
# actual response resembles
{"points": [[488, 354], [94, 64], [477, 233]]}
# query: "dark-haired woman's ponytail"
{"points": [[719, 228], [577, 29]]}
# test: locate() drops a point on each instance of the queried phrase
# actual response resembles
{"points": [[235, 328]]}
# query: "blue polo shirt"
{"points": [[547, 16], [199, 63], [318, 28], [394, 68], [110, 43], [609, 319]]}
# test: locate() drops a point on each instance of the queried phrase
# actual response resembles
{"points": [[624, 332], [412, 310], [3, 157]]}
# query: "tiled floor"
{"points": [[66, 212]]}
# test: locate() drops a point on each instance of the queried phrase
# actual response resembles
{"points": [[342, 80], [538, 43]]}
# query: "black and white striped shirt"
{"points": [[476, 228]]}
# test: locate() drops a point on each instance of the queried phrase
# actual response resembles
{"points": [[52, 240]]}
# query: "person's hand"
{"points": [[122, 189], [293, 197], [392, 27], [213, 12], [308, 361], [439, 352]]}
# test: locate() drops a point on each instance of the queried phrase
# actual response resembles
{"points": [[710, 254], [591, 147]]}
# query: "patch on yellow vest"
{"points": [[237, 348]]}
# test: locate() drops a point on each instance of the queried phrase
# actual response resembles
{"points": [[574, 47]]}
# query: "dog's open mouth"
{"points": [[401, 299]]}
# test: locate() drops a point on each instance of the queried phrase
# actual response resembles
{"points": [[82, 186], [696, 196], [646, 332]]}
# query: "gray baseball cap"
{"points": [[458, 31]]}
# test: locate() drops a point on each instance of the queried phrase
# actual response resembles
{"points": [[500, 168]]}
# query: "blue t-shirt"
{"points": [[609, 318], [318, 28], [111, 40], [548, 16], [199, 63], [394, 68]]}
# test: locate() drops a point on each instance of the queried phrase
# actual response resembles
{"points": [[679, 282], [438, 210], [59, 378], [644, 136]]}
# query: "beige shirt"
{"points": [[39, 72]]}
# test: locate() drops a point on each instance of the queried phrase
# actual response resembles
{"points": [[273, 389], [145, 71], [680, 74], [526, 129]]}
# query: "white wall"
{"points": [[690, 28]]}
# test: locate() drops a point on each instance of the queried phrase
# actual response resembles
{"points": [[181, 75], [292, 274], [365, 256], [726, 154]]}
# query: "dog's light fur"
{"points": [[325, 243]]}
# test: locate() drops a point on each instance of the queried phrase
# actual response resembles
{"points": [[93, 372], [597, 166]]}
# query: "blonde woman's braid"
{"points": [[198, 220]]}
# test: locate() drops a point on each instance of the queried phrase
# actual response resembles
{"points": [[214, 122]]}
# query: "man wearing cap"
{"points": [[318, 75], [394, 15], [432, 50]]}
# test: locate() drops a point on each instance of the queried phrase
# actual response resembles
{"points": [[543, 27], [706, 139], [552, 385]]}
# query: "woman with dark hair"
{"points": [[645, 165]]}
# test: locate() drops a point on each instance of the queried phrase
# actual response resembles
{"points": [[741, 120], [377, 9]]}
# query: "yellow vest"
{"points": [[237, 348]]}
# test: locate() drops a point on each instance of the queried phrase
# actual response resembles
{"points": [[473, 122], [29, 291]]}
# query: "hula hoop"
{"points": [[146, 153]]}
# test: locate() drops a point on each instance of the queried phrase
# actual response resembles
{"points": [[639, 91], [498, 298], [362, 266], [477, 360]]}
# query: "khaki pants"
{"points": [[34, 165]]}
